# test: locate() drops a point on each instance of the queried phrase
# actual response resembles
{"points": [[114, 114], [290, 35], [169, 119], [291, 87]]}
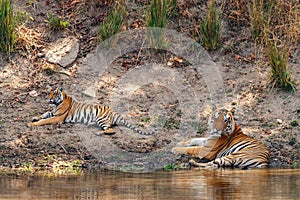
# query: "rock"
{"points": [[279, 121], [63, 52], [33, 93], [90, 92]]}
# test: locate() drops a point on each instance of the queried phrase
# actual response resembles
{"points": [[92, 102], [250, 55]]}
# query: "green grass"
{"points": [[280, 76], [56, 23], [113, 24], [7, 36], [294, 123], [48, 70], [157, 17], [171, 167], [172, 123], [20, 17], [157, 14], [292, 141], [169, 122], [210, 33], [145, 119], [273, 124]]}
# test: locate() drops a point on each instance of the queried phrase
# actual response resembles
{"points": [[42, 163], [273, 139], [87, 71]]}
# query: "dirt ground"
{"points": [[263, 112]]}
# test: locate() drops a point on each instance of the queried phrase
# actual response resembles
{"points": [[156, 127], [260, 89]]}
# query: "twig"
{"points": [[138, 56], [63, 148]]}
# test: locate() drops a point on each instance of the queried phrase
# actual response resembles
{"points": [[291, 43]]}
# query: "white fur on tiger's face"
{"points": [[221, 122], [56, 96]]}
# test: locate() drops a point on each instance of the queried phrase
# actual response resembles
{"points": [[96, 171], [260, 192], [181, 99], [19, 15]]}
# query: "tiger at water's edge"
{"points": [[226, 146], [69, 110]]}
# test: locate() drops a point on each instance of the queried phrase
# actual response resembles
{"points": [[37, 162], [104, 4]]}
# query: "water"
{"points": [[191, 184]]}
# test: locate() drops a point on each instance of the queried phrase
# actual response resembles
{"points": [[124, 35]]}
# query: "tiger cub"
{"points": [[227, 145], [69, 110]]}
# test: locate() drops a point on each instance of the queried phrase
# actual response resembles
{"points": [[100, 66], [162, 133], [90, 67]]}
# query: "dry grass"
{"points": [[236, 12], [276, 20], [257, 19], [28, 41], [285, 22], [276, 26]]}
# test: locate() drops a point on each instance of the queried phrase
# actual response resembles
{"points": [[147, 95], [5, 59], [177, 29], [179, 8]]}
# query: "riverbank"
{"points": [[265, 113]]}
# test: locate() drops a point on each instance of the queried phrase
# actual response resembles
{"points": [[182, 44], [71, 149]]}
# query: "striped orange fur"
{"points": [[226, 146], [70, 111]]}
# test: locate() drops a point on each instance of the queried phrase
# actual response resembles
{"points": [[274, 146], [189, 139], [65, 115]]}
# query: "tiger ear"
{"points": [[232, 110], [60, 88]]}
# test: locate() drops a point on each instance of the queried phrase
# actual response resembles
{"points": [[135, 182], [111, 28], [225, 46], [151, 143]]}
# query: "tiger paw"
{"points": [[209, 165], [35, 119], [213, 165], [196, 164], [30, 125], [109, 131]]}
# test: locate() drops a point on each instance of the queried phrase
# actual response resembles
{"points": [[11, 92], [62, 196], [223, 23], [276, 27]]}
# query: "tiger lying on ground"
{"points": [[227, 145], [69, 110]]}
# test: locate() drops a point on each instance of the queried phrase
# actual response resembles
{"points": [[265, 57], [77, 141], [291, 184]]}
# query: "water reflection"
{"points": [[194, 184]]}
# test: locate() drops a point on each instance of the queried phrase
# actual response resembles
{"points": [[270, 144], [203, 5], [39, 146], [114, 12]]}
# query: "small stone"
{"points": [[279, 121], [39, 55], [33, 93], [90, 92]]}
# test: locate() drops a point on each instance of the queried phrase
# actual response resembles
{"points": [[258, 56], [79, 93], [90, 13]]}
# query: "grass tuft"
{"points": [[157, 14], [156, 17], [280, 76], [210, 33], [57, 23], [171, 167], [273, 22], [113, 24], [294, 123], [171, 8], [7, 36]]}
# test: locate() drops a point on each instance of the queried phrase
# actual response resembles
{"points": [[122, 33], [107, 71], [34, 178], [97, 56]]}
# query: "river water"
{"points": [[186, 184]]}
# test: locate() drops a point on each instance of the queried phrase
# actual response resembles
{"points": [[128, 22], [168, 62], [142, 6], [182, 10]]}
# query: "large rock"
{"points": [[63, 52]]}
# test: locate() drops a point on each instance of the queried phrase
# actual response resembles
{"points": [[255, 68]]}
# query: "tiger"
{"points": [[68, 110], [226, 146]]}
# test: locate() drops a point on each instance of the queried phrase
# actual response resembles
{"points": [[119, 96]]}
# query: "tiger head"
{"points": [[56, 95], [222, 122]]}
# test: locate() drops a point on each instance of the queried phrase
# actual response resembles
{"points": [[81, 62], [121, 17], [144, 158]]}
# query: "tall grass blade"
{"points": [[157, 18], [112, 25], [210, 32], [7, 36]]}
